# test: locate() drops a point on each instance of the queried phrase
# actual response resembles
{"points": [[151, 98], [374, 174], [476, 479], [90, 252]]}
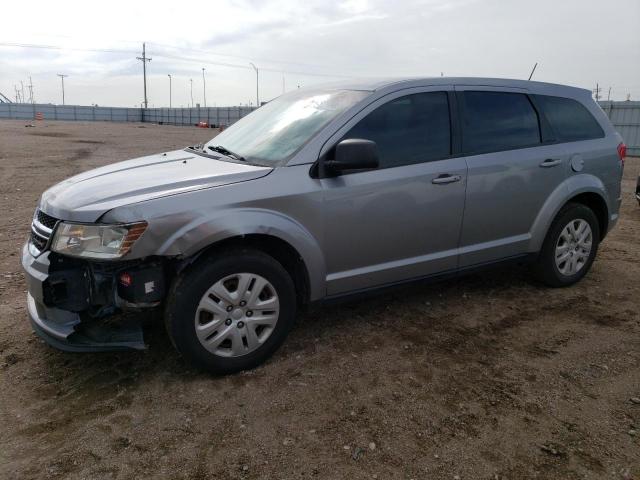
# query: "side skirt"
{"points": [[428, 279]]}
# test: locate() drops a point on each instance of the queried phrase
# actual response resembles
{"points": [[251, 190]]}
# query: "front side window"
{"points": [[408, 130], [495, 121], [274, 132], [569, 119]]}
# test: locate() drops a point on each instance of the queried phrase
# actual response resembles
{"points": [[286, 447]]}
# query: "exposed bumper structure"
{"points": [[67, 330]]}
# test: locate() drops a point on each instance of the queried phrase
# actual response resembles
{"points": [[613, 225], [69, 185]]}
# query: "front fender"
{"points": [[202, 231], [570, 188]]}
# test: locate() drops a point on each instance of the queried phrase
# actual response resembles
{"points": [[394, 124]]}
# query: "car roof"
{"points": [[376, 84]]}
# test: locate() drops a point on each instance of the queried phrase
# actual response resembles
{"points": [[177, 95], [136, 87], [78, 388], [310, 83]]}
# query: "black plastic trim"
{"points": [[427, 279]]}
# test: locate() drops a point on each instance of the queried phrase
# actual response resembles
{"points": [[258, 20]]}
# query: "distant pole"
{"points": [[144, 60], [24, 99], [204, 89], [62, 78], [534, 69], [609, 95], [191, 81], [597, 92], [257, 83], [31, 89], [169, 75]]}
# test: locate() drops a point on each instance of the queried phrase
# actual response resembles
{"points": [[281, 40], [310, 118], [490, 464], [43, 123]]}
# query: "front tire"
{"points": [[570, 246], [231, 312]]}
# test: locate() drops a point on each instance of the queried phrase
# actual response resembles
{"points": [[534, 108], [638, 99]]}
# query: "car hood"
{"points": [[87, 196]]}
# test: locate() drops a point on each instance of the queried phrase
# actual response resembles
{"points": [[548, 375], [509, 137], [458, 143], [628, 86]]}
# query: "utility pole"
{"points": [[31, 89], [144, 60], [204, 89], [597, 92], [24, 99], [169, 75], [609, 95], [62, 78], [257, 80], [191, 81]]}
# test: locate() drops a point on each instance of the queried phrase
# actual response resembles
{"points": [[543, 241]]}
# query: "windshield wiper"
{"points": [[224, 151]]}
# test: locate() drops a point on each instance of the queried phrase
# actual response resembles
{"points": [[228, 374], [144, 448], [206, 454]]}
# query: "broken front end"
{"points": [[79, 288]]}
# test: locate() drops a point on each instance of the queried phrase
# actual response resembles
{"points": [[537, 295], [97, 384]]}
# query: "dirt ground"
{"points": [[491, 376]]}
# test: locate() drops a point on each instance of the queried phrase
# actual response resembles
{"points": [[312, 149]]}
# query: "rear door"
{"points": [[512, 169], [592, 151]]}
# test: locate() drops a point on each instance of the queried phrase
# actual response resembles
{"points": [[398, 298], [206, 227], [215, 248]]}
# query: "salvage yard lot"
{"points": [[487, 376]]}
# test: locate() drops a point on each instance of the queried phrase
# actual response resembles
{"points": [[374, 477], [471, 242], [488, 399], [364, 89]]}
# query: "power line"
{"points": [[240, 57], [171, 57], [57, 47]]}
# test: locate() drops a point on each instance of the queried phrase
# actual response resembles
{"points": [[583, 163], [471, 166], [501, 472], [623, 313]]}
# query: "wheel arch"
{"points": [[277, 235], [598, 205], [584, 189], [277, 248]]}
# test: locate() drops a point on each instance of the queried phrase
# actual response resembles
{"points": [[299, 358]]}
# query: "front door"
{"points": [[402, 220]]}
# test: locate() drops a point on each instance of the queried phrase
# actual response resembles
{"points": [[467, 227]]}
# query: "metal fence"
{"points": [[191, 116], [625, 117], [214, 116]]}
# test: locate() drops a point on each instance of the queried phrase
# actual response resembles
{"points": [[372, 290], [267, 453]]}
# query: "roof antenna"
{"points": [[534, 69]]}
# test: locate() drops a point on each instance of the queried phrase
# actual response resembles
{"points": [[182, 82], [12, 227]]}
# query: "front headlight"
{"points": [[96, 241]]}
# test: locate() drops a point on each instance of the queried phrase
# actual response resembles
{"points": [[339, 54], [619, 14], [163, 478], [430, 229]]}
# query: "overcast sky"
{"points": [[305, 42]]}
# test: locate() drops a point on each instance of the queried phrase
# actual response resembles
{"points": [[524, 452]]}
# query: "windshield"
{"points": [[271, 134]]}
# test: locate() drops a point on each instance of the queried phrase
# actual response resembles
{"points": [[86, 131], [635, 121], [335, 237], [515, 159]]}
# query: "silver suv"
{"points": [[319, 194]]}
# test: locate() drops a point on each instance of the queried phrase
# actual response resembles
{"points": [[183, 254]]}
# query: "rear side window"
{"points": [[569, 119], [494, 121], [408, 130]]}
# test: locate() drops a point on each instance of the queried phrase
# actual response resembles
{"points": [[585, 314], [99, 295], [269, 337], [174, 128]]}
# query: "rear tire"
{"points": [[231, 312], [570, 246]]}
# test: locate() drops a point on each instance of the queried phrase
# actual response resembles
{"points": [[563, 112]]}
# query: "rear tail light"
{"points": [[622, 152]]}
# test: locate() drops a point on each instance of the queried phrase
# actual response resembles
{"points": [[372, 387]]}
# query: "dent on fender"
{"points": [[202, 230]]}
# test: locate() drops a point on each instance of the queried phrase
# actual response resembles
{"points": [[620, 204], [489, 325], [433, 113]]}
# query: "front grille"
{"points": [[41, 230], [38, 242], [46, 220]]}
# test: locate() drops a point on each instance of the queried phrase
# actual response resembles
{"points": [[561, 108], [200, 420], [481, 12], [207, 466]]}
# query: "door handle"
{"points": [[550, 162], [446, 178]]}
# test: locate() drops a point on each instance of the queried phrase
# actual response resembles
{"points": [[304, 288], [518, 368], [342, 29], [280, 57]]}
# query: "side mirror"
{"points": [[354, 154]]}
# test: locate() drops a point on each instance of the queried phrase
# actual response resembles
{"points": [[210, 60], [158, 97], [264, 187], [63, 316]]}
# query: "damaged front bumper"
{"points": [[72, 304]]}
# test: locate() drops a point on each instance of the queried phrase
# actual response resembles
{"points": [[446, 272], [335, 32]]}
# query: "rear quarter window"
{"points": [[569, 119], [496, 121]]}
